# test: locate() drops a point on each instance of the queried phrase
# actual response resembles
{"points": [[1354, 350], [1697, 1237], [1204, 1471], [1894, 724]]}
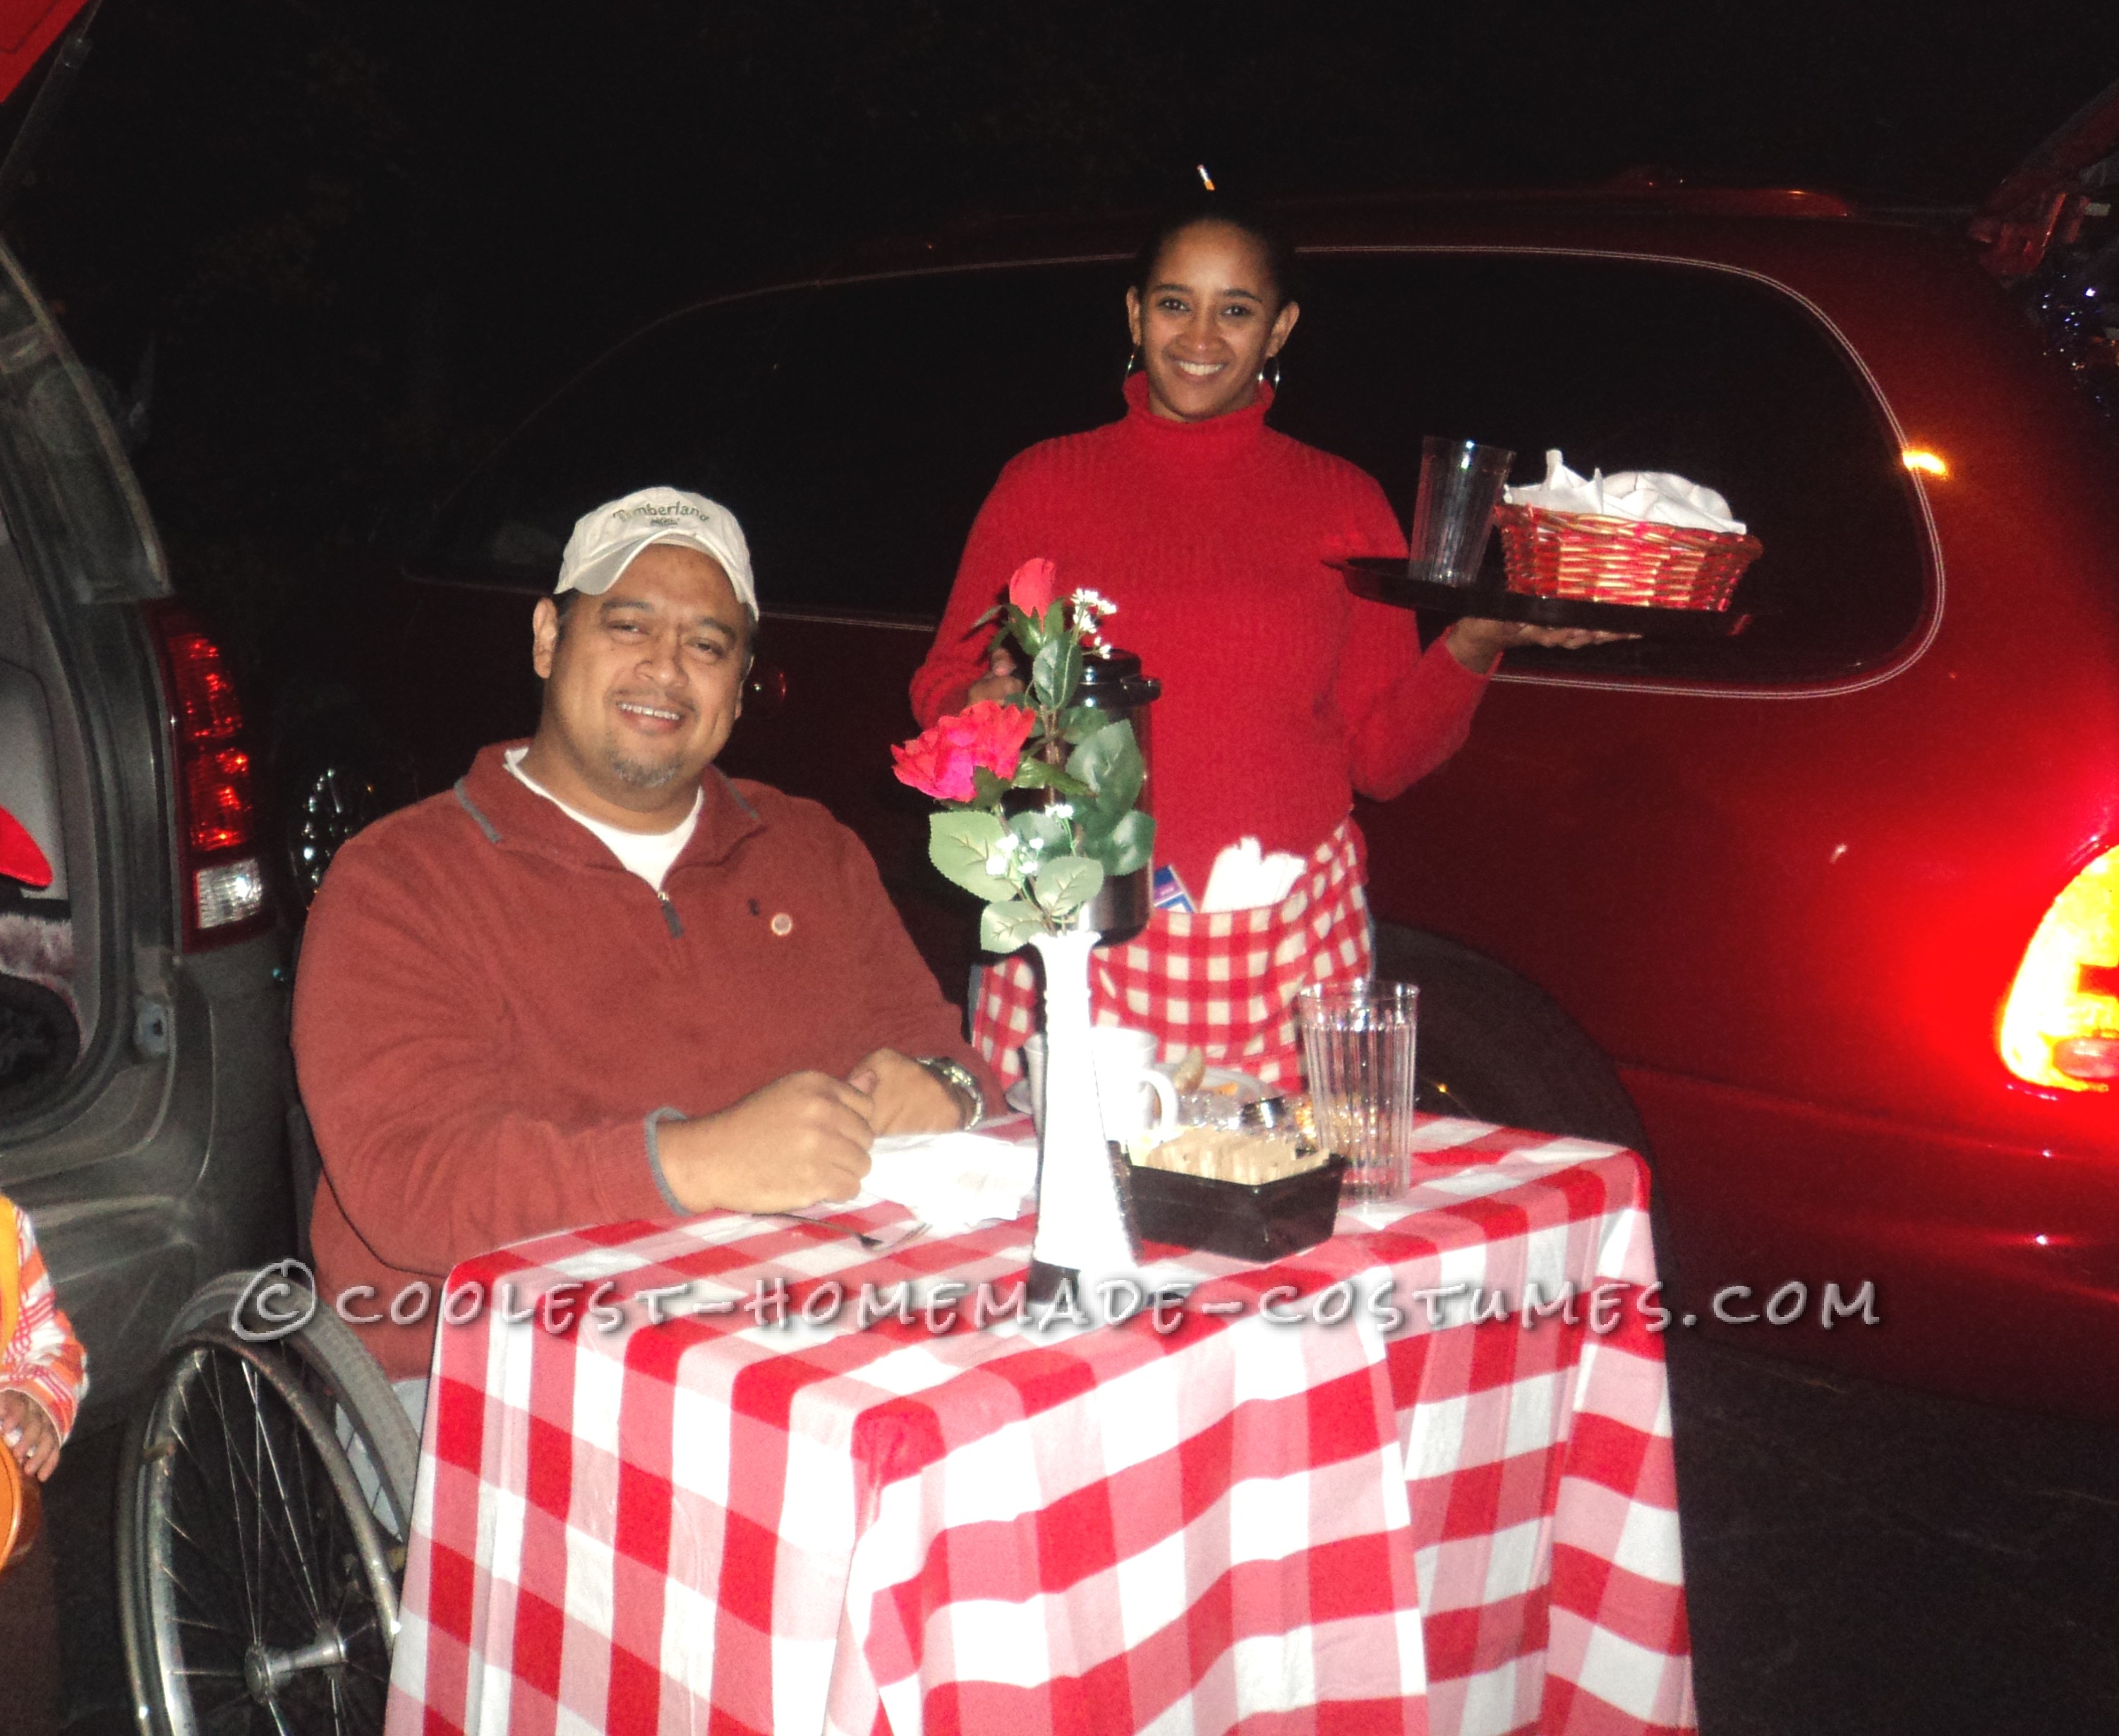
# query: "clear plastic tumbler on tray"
{"points": [[1453, 513]]}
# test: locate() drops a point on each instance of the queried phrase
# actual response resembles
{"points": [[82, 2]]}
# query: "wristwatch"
{"points": [[960, 1080]]}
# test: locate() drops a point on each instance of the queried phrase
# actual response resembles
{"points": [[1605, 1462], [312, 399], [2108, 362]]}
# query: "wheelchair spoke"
{"points": [[224, 1581], [206, 1367], [286, 1507], [267, 1547], [247, 1493], [286, 1535]]}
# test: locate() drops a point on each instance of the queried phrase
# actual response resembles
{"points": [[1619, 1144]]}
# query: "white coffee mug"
{"points": [[1127, 1082]]}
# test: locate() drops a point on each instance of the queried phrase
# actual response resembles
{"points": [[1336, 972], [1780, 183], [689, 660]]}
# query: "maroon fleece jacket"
{"points": [[490, 1011], [1283, 693]]}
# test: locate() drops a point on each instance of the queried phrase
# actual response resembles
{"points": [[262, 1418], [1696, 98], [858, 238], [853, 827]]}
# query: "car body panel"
{"points": [[1995, 1265], [28, 29]]}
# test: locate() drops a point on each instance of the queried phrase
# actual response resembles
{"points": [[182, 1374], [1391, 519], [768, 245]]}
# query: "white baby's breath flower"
{"points": [[1003, 858], [1091, 609]]}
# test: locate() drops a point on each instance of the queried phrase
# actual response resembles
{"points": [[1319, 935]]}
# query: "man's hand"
{"points": [[1476, 642], [908, 1098], [800, 1139], [30, 1434]]}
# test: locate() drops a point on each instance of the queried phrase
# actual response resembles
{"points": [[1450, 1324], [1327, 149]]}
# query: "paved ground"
{"points": [[1865, 1560], [1860, 1560]]}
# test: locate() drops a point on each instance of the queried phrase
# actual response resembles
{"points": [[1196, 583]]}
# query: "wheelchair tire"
{"points": [[263, 1505]]}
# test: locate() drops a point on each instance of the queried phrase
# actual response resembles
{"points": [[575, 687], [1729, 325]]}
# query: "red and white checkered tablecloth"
{"points": [[1258, 1521]]}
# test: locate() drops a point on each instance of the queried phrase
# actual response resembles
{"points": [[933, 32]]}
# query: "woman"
{"points": [[1283, 695]]}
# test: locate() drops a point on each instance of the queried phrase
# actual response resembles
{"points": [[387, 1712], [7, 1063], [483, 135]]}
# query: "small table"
{"points": [[1282, 1508]]}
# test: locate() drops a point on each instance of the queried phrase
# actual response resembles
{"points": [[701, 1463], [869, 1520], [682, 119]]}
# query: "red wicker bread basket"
{"points": [[1598, 559]]}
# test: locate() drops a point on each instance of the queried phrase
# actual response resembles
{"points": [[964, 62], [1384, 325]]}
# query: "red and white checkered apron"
{"points": [[1223, 983]]}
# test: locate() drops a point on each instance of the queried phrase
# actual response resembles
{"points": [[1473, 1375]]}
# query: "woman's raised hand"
{"points": [[1000, 680]]}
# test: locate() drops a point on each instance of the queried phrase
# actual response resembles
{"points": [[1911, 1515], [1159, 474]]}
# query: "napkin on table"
{"points": [[950, 1181], [1653, 495]]}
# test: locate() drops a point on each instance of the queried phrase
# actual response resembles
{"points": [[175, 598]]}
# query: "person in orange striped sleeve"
{"points": [[43, 1373]]}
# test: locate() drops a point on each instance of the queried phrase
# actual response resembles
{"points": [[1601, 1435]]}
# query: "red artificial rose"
{"points": [[1035, 586], [939, 762]]}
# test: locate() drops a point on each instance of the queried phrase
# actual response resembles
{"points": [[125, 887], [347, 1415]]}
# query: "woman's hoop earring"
{"points": [[1133, 365], [1272, 379]]}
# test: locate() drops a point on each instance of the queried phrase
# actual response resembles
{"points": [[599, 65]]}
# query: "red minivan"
{"points": [[1819, 916]]}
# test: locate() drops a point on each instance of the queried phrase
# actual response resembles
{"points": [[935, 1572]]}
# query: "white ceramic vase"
{"points": [[1083, 1223]]}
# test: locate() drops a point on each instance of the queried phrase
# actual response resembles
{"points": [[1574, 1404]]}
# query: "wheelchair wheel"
{"points": [[263, 1515]]}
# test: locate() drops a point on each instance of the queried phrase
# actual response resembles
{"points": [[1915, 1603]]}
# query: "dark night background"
{"points": [[363, 237]]}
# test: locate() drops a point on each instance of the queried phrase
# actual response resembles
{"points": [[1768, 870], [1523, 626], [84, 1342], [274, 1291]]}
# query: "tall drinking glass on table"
{"points": [[1357, 1053]]}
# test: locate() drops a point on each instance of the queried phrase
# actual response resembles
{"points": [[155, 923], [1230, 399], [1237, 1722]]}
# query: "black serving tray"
{"points": [[1267, 1221], [1382, 579]]}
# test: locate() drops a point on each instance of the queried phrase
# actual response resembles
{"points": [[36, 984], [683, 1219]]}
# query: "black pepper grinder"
{"points": [[1113, 685]]}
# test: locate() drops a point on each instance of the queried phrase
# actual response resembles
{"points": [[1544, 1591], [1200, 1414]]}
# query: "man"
{"points": [[599, 980]]}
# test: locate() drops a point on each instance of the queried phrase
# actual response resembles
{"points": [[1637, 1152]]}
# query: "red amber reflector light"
{"points": [[2059, 1027]]}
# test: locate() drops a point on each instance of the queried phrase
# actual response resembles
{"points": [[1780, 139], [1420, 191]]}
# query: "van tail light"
{"points": [[223, 876], [2059, 1027]]}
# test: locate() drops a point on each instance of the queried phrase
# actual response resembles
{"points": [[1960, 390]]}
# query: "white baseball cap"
{"points": [[606, 540]]}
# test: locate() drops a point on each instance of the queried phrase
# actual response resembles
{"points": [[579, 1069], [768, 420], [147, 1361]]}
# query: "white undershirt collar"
{"points": [[647, 854]]}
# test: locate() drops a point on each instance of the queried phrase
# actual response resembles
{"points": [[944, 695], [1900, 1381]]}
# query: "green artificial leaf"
{"points": [[1025, 628], [1036, 775], [1130, 844], [1056, 671], [1079, 722], [1109, 762], [1128, 847], [1043, 831], [958, 844], [1066, 883], [1004, 926], [1056, 618], [987, 788]]}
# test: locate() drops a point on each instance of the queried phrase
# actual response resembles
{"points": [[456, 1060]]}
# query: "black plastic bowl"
{"points": [[1267, 1221]]}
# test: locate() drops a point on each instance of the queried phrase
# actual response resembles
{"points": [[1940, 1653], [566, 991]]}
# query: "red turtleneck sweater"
{"points": [[1282, 693]]}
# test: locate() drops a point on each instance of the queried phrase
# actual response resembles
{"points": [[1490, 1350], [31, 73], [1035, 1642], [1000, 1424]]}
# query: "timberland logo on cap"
{"points": [[664, 516]]}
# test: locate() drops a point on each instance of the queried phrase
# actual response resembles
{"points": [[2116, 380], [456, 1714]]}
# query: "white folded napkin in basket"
{"points": [[1655, 496], [949, 1181]]}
